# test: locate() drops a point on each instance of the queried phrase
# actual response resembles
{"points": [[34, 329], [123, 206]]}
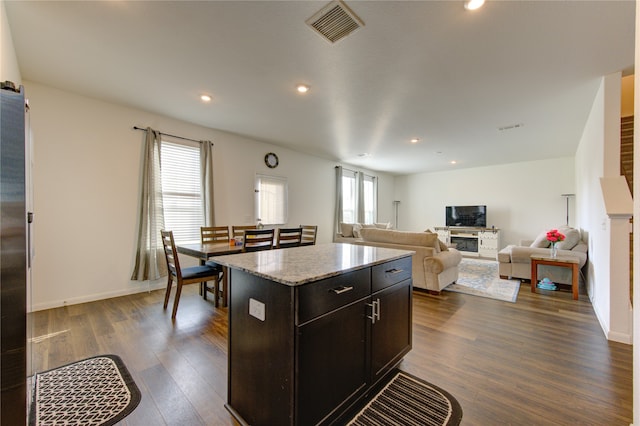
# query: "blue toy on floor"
{"points": [[547, 284]]}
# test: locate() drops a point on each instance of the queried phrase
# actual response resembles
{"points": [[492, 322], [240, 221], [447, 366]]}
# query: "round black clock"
{"points": [[271, 160]]}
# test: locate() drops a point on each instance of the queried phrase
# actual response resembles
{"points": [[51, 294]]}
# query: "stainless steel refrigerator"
{"points": [[14, 253]]}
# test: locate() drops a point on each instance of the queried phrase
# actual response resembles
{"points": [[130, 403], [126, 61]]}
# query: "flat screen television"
{"points": [[475, 216]]}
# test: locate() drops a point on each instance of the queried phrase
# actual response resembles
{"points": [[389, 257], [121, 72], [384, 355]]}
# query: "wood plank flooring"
{"points": [[540, 361]]}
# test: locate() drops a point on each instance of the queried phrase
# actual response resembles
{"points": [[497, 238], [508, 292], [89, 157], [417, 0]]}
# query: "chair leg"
{"points": [[166, 294], [216, 291], [177, 299], [225, 286], [203, 286]]}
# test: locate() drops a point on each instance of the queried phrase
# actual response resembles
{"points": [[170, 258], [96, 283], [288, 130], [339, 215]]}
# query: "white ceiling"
{"points": [[426, 69]]}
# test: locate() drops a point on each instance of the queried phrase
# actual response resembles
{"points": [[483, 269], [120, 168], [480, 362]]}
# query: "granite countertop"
{"points": [[300, 265]]}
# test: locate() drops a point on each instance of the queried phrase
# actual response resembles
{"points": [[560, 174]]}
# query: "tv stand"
{"points": [[472, 241]]}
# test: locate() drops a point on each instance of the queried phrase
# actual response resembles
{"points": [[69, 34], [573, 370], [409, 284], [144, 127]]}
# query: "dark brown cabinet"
{"points": [[302, 355]]}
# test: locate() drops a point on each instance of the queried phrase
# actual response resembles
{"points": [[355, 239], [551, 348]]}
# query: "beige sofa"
{"points": [[434, 265], [349, 232], [514, 261]]}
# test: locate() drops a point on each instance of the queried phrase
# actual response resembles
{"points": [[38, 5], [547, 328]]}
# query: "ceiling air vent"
{"points": [[335, 21]]}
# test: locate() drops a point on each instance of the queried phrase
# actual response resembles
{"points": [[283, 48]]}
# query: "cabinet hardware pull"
{"points": [[372, 317], [341, 289], [394, 271], [375, 311]]}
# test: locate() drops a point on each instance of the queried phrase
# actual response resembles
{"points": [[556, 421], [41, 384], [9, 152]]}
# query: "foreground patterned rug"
{"points": [[94, 391], [409, 401], [479, 277]]}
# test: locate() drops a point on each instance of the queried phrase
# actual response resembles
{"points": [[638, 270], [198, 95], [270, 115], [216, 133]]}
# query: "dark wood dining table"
{"points": [[204, 252]]}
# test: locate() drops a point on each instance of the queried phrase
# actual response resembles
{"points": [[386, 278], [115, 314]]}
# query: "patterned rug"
{"points": [[479, 277], [94, 391], [409, 401]]}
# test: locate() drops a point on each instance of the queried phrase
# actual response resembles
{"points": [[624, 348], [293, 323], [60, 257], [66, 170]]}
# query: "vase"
{"points": [[554, 250]]}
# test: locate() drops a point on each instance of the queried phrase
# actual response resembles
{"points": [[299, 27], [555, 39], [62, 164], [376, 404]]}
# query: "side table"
{"points": [[563, 261]]}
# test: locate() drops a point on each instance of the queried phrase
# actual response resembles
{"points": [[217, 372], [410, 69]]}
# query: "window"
{"points": [[271, 200], [370, 202], [349, 197], [352, 210], [181, 190]]}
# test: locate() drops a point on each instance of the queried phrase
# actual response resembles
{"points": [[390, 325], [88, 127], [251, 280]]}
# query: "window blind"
{"points": [[182, 190]]}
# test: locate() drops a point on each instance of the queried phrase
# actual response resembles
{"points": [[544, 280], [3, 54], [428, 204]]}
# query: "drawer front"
{"points": [[390, 273], [317, 298]]}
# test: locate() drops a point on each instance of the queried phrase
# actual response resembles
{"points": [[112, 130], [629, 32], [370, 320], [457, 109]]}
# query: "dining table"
{"points": [[206, 251]]}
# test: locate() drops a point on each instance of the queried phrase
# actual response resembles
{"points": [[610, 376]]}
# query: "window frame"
{"points": [[267, 219], [186, 229]]}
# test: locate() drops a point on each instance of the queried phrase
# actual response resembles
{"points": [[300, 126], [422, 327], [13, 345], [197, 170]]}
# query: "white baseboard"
{"points": [[136, 288]]}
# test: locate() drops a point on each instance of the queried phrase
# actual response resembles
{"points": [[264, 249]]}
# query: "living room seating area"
{"points": [[434, 265], [514, 261]]}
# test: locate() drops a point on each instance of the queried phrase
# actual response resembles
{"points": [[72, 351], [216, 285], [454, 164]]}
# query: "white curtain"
{"points": [[150, 261], [206, 168], [338, 214]]}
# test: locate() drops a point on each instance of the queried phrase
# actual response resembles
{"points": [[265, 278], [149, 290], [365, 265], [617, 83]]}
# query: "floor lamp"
{"points": [[395, 207], [567, 196]]}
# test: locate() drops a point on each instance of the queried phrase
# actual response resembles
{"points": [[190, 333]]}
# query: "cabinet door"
{"points": [[488, 244], [332, 355], [391, 331]]}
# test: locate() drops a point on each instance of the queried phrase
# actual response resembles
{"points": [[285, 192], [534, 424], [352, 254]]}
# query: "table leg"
{"points": [[534, 275], [574, 280], [203, 285]]}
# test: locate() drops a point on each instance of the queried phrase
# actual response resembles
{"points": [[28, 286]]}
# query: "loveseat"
{"points": [[514, 261], [434, 265]]}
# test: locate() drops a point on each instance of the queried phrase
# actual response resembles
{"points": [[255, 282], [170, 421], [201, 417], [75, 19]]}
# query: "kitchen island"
{"points": [[312, 329]]}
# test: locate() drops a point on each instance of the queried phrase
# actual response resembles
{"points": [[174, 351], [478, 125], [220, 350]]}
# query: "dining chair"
{"points": [[183, 276], [288, 237], [238, 230], [214, 234], [258, 239], [309, 233]]}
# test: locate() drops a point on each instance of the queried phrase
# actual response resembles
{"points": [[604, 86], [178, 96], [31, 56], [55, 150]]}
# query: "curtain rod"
{"points": [[173, 136]]}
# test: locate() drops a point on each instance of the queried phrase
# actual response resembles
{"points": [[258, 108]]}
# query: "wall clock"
{"points": [[271, 160]]}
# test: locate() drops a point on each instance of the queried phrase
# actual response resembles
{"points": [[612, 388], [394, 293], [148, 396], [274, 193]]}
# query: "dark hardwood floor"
{"points": [[540, 361]]}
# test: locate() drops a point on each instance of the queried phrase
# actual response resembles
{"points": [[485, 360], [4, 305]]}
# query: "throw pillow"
{"points": [[356, 230], [347, 229], [541, 241], [383, 225], [441, 246], [571, 238]]}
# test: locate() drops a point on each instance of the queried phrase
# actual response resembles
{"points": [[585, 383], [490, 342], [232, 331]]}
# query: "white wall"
{"points": [[86, 185], [9, 70], [522, 199], [597, 157]]}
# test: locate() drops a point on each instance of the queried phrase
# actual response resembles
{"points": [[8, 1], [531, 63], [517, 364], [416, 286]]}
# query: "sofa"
{"points": [[434, 265], [349, 232], [514, 261]]}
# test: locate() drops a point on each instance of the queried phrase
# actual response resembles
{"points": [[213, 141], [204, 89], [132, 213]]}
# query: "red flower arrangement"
{"points": [[555, 236]]}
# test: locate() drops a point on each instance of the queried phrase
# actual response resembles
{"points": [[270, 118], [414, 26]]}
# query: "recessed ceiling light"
{"points": [[302, 88], [415, 140], [205, 98], [473, 4], [454, 162]]}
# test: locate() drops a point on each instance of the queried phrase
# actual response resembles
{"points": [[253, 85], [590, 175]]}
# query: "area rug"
{"points": [[94, 391], [409, 401], [479, 277]]}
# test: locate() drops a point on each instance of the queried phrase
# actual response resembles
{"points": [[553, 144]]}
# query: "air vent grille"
{"points": [[335, 21]]}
